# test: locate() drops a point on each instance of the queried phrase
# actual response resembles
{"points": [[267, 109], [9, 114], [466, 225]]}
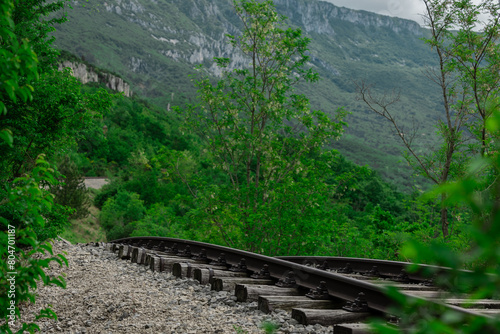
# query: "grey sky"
{"points": [[408, 9]]}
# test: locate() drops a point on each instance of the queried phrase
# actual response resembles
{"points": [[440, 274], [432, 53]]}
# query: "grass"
{"points": [[86, 229]]}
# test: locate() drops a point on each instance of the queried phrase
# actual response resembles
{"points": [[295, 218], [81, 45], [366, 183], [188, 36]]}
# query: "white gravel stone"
{"points": [[108, 295]]}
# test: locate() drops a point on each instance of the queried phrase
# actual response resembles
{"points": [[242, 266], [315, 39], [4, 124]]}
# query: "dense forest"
{"points": [[250, 163]]}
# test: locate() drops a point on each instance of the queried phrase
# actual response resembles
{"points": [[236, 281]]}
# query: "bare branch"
{"points": [[381, 107]]}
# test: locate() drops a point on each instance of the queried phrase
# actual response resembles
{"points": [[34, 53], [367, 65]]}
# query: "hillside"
{"points": [[155, 46]]}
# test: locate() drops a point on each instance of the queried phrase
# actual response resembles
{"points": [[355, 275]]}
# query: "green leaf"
{"points": [[6, 136]]}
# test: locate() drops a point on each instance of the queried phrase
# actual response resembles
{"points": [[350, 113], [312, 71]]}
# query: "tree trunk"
{"points": [[444, 217]]}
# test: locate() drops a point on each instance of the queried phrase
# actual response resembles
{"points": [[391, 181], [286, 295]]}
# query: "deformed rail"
{"points": [[306, 273], [396, 270]]}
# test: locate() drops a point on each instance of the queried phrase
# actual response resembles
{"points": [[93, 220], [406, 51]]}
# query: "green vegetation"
{"points": [[41, 112], [269, 327], [71, 192], [467, 60], [467, 175], [284, 193], [478, 190], [86, 229], [265, 142]]}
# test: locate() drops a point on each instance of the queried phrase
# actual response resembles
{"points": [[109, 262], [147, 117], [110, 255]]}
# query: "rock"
{"points": [[108, 295]]}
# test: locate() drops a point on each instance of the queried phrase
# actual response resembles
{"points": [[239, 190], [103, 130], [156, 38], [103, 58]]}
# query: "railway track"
{"points": [[343, 292]]}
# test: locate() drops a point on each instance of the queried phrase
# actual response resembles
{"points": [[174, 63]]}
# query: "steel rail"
{"points": [[385, 268], [307, 277]]}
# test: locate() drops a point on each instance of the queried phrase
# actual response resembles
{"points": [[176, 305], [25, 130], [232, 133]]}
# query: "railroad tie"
{"points": [[229, 283], [186, 269], [251, 292], [228, 269], [267, 304], [358, 328], [327, 317], [207, 275]]}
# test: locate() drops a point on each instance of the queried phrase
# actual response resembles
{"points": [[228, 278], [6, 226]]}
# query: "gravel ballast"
{"points": [[107, 295]]}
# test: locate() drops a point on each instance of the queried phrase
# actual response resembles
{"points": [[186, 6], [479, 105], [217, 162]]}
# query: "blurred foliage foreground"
{"points": [[479, 190]]}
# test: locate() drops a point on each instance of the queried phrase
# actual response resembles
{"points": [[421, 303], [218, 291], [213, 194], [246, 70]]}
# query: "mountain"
{"points": [[155, 45]]}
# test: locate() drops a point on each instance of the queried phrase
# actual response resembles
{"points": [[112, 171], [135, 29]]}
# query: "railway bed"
{"points": [[343, 292]]}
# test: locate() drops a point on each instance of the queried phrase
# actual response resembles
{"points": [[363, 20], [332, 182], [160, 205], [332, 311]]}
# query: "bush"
{"points": [[119, 212], [20, 271]]}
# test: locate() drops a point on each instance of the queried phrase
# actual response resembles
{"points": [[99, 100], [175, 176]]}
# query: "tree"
{"points": [[39, 108], [18, 67], [466, 73], [440, 165], [55, 112], [50, 122], [33, 21], [119, 213], [51, 118], [20, 262], [469, 59], [483, 258], [262, 136], [468, 49], [72, 191]]}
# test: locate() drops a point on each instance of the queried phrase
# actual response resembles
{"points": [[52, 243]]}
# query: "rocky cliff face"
{"points": [[86, 75], [194, 42], [147, 37], [197, 34], [319, 17]]}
